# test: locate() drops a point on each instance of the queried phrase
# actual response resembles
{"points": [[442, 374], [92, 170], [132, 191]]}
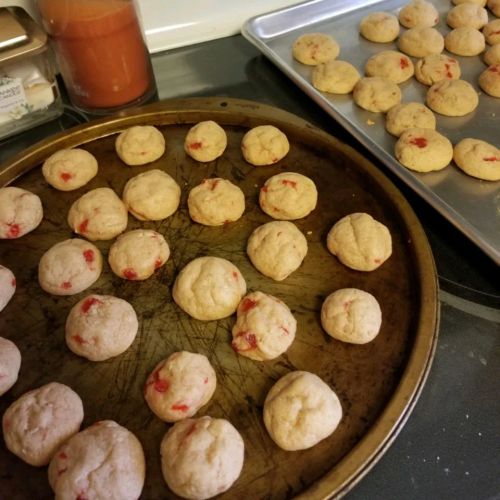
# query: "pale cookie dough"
{"points": [[10, 362], [351, 315], [481, 3], [492, 55], [360, 242], [202, 457], [69, 267], [104, 461], [179, 386], [335, 77], [206, 141], [100, 327], [137, 254], [7, 286], [288, 196], [380, 27], [20, 212], [391, 65], [69, 169], [277, 249], [492, 32], [209, 288], [489, 80], [376, 94], [421, 42], [423, 150], [419, 13], [452, 98], [467, 14], [436, 67], [494, 6], [264, 145], [40, 421], [152, 195], [140, 144], [478, 159], [464, 41], [315, 48], [301, 410], [409, 115], [98, 215], [215, 202]]}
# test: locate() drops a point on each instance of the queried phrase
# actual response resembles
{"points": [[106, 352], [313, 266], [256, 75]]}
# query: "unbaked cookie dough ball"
{"points": [[489, 80], [265, 327], [20, 212], [180, 385], [391, 65], [215, 202], [202, 457], [264, 145], [152, 195], [69, 267], [494, 6], [376, 94], [436, 67], [10, 362], [423, 150], [467, 14], [419, 13], [40, 421], [478, 159], [301, 410], [69, 169], [100, 327], [421, 42], [351, 315], [409, 115], [103, 461], [335, 77], [452, 98], [137, 254], [492, 32], [288, 196], [140, 144], [360, 242], [492, 55], [315, 48], [277, 249], [464, 41], [7, 286], [380, 27], [98, 215], [205, 141], [209, 288]]}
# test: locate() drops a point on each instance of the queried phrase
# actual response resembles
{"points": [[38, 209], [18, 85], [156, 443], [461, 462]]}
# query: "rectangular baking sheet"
{"points": [[471, 205]]}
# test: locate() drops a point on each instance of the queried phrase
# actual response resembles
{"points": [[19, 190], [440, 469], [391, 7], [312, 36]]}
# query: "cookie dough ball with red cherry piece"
{"points": [[452, 98], [494, 6], [489, 80], [436, 67], [140, 144], [315, 48], [10, 362], [419, 13], [7, 286], [492, 32], [478, 159], [205, 141], [20, 212], [264, 145], [391, 65], [467, 14], [379, 27]]}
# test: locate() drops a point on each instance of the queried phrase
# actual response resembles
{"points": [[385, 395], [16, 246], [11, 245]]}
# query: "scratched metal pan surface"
{"points": [[377, 383], [472, 205]]}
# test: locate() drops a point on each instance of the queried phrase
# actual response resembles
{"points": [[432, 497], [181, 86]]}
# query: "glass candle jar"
{"points": [[101, 52]]}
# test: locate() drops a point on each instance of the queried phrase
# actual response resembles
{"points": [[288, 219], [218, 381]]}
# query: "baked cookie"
{"points": [[140, 144], [409, 115], [492, 55], [288, 196], [69, 267], [315, 48], [100, 327], [179, 386], [152, 195], [481, 3], [376, 94], [137, 254], [335, 77], [421, 42], [418, 13], [69, 169], [103, 461], [277, 249], [301, 410], [391, 65], [209, 288], [20, 212], [423, 150], [452, 98], [467, 14], [264, 145], [10, 362], [265, 327], [360, 242], [201, 457], [436, 67], [7, 286], [464, 41], [492, 32], [380, 27], [215, 202], [494, 6], [205, 141], [40, 421], [489, 80], [478, 159], [351, 315]]}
